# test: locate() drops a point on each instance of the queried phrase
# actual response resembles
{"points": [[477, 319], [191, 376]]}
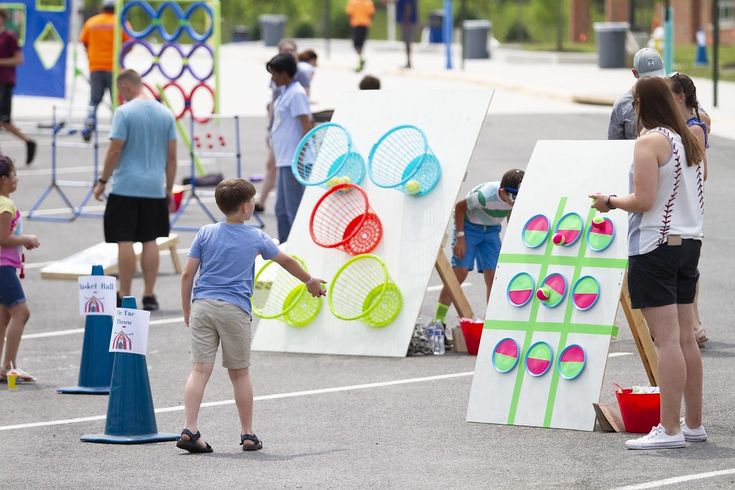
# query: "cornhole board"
{"points": [[559, 177], [104, 254], [413, 228]]}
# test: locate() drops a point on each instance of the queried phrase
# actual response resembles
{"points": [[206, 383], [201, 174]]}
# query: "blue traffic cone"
{"points": [[95, 369], [130, 415]]}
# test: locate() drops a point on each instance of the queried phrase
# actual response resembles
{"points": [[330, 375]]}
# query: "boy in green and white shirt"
{"points": [[478, 219]]}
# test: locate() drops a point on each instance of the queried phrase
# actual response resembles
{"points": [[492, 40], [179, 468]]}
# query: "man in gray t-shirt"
{"points": [[623, 119]]}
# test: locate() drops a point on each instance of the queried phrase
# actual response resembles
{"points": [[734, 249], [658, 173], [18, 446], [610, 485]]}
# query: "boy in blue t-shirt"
{"points": [[478, 219], [224, 254]]}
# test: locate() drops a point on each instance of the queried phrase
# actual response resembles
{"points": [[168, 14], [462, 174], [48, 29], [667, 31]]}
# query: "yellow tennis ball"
{"points": [[345, 180], [332, 182], [413, 187]]}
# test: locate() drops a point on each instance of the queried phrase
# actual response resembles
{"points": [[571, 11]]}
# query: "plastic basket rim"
{"points": [[612, 237], [331, 191], [268, 263], [342, 269], [548, 229], [385, 135], [574, 288], [533, 289], [306, 138]]}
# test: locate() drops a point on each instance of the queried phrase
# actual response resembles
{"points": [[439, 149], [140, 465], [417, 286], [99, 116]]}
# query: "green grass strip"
{"points": [[534, 312], [567, 319], [564, 260]]}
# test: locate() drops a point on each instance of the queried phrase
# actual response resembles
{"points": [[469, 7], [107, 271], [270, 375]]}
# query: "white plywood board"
{"points": [[413, 227], [559, 177]]}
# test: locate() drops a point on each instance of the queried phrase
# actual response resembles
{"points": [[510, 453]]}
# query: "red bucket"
{"points": [[472, 332], [640, 411]]}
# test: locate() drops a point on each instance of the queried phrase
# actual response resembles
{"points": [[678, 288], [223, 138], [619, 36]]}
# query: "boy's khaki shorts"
{"points": [[212, 320]]}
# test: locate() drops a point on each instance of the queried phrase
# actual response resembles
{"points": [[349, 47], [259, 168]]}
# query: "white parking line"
{"points": [[438, 287], [677, 479], [619, 354], [277, 396], [73, 331], [34, 172], [38, 265]]}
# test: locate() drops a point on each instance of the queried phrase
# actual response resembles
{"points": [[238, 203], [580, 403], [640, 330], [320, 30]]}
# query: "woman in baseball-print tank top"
{"points": [[666, 210]]}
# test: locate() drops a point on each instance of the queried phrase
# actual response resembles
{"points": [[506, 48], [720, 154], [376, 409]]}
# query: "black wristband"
{"points": [[608, 203], [102, 181]]}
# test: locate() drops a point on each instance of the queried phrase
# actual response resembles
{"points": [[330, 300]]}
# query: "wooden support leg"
{"points": [[175, 258], [444, 268], [641, 335]]}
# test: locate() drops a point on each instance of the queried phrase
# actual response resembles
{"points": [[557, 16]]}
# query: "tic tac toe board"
{"points": [[413, 227], [541, 362]]}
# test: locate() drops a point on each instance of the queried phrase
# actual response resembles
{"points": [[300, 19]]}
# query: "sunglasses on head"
{"points": [[677, 76]]}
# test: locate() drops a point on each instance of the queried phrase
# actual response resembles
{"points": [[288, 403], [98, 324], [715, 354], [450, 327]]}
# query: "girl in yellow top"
{"points": [[361, 17]]}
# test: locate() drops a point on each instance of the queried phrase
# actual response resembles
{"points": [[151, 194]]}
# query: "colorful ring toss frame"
{"points": [[326, 157], [183, 18], [506, 355], [403, 160], [156, 57]]}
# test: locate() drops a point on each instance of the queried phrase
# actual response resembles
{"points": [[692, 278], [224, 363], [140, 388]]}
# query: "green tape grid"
{"points": [[555, 327], [564, 260], [567, 319], [535, 305]]}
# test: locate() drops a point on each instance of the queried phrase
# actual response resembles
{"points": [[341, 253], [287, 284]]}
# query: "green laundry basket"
{"points": [[363, 290], [279, 295]]}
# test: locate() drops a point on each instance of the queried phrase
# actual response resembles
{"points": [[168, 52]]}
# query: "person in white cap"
{"points": [[623, 119]]}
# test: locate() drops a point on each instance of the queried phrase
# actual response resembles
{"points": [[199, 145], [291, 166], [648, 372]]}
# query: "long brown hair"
{"points": [[682, 84], [656, 107]]}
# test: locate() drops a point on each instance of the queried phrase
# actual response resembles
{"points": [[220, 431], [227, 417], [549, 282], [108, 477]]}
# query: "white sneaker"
{"points": [[697, 434], [657, 439]]}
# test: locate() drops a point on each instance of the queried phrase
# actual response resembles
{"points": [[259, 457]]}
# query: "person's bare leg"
{"points": [[693, 362], [243, 389], [489, 278], [445, 297], [4, 321], [125, 266], [269, 183], [13, 129], [193, 394], [699, 333], [663, 321], [19, 315], [149, 263]]}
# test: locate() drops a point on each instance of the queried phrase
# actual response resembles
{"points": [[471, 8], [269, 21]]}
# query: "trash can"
{"points": [[240, 34], [436, 27], [611, 43], [476, 33], [272, 27]]}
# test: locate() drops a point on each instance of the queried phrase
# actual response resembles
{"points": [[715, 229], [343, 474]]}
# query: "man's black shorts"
{"points": [[359, 34], [6, 101], [667, 275], [135, 219]]}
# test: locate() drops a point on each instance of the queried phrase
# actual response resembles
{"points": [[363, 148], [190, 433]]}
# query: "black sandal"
{"points": [[250, 447], [191, 443]]}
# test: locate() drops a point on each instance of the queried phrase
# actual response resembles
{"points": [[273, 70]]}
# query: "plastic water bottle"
{"points": [[438, 337]]}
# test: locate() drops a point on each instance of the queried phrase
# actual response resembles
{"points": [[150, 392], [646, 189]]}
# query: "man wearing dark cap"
{"points": [[624, 120]]}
